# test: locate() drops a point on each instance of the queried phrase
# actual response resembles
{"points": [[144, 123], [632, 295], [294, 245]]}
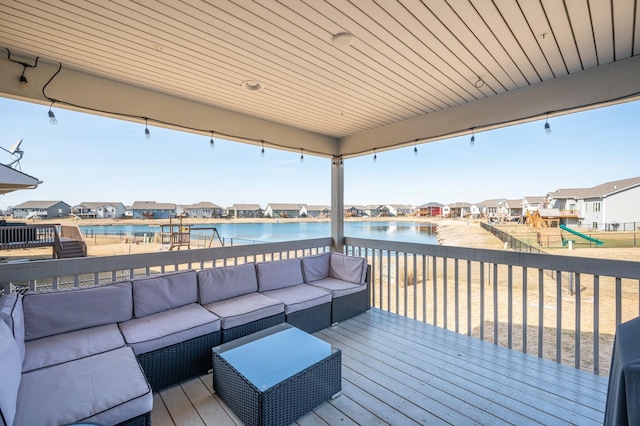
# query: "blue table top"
{"points": [[271, 356]]}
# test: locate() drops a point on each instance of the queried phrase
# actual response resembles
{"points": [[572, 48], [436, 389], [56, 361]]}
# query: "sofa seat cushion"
{"points": [[316, 267], [52, 312], [64, 347], [245, 309], [10, 369], [339, 288], [300, 297], [106, 388], [11, 312], [348, 268], [157, 293], [168, 328], [279, 274]]}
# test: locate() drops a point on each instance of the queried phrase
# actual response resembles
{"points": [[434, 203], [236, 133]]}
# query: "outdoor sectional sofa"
{"points": [[94, 354]]}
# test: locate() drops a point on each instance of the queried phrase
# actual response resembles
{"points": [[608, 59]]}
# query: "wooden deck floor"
{"points": [[402, 372]]}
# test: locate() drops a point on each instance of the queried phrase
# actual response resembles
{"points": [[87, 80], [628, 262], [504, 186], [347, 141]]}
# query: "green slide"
{"points": [[586, 237]]}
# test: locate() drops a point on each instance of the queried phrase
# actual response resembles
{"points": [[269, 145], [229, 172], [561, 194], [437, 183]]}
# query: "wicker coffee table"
{"points": [[276, 375]]}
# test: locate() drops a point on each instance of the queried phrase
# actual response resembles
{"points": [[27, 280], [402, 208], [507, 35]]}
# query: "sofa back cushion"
{"points": [[348, 268], [224, 283], [316, 267], [11, 312], [58, 311], [160, 293], [10, 373], [279, 274]]}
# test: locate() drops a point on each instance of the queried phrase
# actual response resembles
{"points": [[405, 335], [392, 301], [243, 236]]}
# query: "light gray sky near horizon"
{"points": [[90, 158]]}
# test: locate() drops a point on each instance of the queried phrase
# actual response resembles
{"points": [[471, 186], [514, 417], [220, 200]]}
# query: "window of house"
{"points": [[596, 207]]}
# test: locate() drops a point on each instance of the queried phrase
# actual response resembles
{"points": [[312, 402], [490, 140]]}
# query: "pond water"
{"points": [[248, 233]]}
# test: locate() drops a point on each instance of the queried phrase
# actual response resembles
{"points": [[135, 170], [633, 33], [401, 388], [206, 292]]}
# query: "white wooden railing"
{"points": [[557, 307]]}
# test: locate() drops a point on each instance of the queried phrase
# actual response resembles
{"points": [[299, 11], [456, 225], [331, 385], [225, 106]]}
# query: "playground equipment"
{"points": [[178, 235], [586, 237], [545, 222]]}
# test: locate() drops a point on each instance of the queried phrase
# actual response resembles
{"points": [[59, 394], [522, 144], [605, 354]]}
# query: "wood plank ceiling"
{"points": [[409, 58]]}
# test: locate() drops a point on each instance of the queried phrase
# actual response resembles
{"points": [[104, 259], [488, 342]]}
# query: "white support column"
{"points": [[337, 203]]}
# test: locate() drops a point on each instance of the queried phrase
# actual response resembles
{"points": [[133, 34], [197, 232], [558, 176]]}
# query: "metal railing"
{"points": [[516, 299], [512, 242]]}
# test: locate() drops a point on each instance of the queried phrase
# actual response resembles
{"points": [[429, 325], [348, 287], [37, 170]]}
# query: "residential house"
{"points": [[128, 212], [99, 210], [203, 209], [532, 203], [600, 207], [282, 210], [315, 211], [430, 209], [510, 210], [490, 208], [355, 211], [153, 210], [241, 211], [459, 209], [41, 210], [401, 209]]}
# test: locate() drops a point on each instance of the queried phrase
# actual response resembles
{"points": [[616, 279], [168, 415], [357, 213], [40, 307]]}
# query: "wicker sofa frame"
{"points": [[141, 420], [311, 319], [246, 329], [348, 306]]}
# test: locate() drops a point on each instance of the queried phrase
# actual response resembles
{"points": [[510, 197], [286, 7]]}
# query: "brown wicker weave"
{"points": [[167, 366]]}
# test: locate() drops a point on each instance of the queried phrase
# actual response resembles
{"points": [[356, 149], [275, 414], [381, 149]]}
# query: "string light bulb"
{"points": [[52, 117], [212, 143], [147, 133], [262, 150], [24, 84], [301, 155], [472, 141], [415, 149], [547, 126], [375, 155]]}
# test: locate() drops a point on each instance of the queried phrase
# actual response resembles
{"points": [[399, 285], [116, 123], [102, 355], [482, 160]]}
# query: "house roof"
{"points": [[491, 203], [98, 204], [598, 191], [458, 205], [152, 205], [413, 71], [13, 180], [534, 199], [251, 207], [430, 204], [283, 206], [202, 205], [319, 207], [38, 204]]}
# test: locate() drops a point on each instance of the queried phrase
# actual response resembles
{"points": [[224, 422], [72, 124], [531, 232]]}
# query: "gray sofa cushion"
{"points": [[11, 312], [339, 288], [348, 268], [279, 274], [224, 283], [163, 292], [58, 311], [107, 388], [245, 309], [300, 297], [167, 328], [10, 369], [316, 267], [65, 347]]}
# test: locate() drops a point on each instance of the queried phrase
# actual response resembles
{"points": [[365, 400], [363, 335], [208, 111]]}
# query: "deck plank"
{"points": [[400, 371]]}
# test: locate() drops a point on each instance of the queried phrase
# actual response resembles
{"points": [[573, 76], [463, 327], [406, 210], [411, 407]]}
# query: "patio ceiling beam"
{"points": [[96, 95], [593, 88]]}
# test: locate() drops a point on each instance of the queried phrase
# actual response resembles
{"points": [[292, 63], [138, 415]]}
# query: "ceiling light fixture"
{"points": [[52, 117], [415, 147], [147, 133], [22, 80], [472, 141], [262, 150], [301, 155], [252, 85], [375, 155], [212, 143], [342, 39], [547, 127]]}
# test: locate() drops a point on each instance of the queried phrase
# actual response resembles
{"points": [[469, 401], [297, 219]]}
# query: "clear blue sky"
{"points": [[90, 158]]}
